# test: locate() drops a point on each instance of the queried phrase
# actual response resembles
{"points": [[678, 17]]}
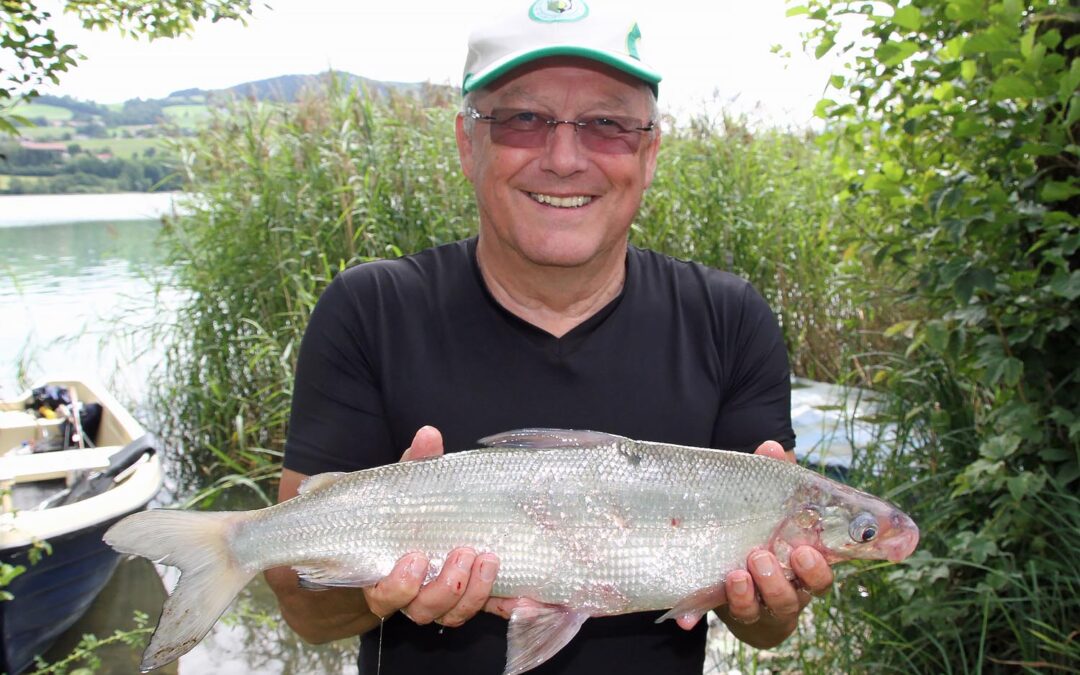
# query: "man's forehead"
{"points": [[521, 94]]}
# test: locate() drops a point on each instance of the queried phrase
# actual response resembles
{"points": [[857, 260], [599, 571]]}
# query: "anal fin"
{"points": [[537, 632]]}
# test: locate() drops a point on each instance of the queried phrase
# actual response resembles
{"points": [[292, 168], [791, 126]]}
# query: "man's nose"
{"points": [[564, 153]]}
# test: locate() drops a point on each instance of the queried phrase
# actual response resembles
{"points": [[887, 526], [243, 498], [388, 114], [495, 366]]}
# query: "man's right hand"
{"points": [[463, 585]]}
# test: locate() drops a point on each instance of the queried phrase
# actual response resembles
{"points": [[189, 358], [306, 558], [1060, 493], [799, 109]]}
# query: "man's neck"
{"points": [[553, 298]]}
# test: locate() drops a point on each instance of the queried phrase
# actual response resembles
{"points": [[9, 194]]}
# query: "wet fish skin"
{"points": [[584, 524]]}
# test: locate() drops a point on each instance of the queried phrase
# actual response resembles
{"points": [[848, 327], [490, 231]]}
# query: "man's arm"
{"points": [[762, 607], [458, 593]]}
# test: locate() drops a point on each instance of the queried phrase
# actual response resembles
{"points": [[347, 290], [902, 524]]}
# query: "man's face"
{"points": [[560, 204]]}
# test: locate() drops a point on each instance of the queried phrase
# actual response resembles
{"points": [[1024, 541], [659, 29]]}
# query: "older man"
{"points": [[547, 318]]}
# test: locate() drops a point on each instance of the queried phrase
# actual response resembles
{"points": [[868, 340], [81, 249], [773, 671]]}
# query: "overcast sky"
{"points": [[719, 49]]}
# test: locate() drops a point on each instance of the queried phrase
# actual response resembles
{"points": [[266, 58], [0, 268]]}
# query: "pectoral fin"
{"points": [[697, 603], [537, 632], [337, 574], [319, 480]]}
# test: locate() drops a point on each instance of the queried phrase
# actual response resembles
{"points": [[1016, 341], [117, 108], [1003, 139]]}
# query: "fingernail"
{"points": [[487, 570], [417, 567], [740, 585], [464, 560], [805, 558], [763, 564]]}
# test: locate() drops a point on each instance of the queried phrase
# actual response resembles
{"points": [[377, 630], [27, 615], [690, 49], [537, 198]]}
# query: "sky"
{"points": [[710, 52]]}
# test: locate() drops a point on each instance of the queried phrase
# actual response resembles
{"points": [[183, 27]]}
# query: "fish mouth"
{"points": [[902, 540], [569, 202]]}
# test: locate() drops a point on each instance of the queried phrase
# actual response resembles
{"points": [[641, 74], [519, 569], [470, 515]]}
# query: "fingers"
{"points": [[426, 443], [762, 588], [461, 589], [398, 588], [812, 571], [481, 579]]}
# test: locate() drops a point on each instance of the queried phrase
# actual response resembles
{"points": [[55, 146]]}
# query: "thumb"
{"points": [[426, 443]]}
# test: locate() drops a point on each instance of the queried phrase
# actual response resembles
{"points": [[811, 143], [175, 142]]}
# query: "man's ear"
{"points": [[464, 146]]}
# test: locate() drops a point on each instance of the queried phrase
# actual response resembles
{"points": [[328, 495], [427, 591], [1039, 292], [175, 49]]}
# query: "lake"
{"points": [[82, 286]]}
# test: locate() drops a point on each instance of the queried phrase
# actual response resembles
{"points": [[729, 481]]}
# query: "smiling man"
{"points": [[547, 318]]}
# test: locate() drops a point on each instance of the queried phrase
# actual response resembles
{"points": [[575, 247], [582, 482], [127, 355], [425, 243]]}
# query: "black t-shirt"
{"points": [[686, 354]]}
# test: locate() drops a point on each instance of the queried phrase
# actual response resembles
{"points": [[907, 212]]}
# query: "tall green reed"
{"points": [[282, 198]]}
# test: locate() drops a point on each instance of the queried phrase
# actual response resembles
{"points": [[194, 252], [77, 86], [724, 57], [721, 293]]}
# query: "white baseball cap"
{"points": [[594, 30]]}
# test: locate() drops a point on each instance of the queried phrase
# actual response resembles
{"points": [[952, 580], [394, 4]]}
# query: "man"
{"points": [[546, 319]]}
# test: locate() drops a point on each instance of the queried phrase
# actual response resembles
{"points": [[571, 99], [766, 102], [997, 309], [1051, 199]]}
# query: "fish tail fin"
{"points": [[210, 576]]}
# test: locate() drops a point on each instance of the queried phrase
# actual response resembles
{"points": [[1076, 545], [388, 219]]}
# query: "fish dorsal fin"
{"points": [[550, 438], [319, 480], [538, 632]]}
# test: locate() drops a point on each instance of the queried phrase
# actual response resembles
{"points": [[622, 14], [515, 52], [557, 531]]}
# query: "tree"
{"points": [[964, 120], [39, 55]]}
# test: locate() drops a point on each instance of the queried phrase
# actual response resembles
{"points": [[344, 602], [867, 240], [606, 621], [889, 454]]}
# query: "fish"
{"points": [[585, 524]]}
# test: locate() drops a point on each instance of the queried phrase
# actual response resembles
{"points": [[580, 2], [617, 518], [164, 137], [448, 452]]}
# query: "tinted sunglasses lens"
{"points": [[530, 130], [599, 139], [514, 137]]}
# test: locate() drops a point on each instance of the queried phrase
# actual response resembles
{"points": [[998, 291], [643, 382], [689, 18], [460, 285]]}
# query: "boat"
{"points": [[73, 462]]}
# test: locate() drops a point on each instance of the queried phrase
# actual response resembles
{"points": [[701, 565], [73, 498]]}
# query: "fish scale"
{"points": [[584, 524]]}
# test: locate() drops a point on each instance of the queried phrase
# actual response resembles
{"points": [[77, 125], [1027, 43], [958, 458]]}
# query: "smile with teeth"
{"points": [[561, 202]]}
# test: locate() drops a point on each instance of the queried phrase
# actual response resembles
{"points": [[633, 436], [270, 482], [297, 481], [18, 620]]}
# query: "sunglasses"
{"points": [[607, 134]]}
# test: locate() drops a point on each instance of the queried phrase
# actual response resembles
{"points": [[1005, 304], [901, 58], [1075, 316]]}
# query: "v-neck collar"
{"points": [[573, 339]]}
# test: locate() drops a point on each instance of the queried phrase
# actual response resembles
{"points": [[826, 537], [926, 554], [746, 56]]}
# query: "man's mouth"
{"points": [[561, 202]]}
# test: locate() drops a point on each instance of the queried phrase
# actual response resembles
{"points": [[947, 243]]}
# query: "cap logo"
{"points": [[632, 40], [551, 11]]}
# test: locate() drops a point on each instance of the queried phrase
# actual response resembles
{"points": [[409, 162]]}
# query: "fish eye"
{"points": [[864, 528]]}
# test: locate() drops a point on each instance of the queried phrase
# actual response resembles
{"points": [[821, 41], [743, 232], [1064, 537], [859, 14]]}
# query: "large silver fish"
{"points": [[584, 524]]}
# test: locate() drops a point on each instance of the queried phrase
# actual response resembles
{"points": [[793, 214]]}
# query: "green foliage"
{"points": [[288, 196], [962, 119], [54, 172], [86, 652], [39, 55]]}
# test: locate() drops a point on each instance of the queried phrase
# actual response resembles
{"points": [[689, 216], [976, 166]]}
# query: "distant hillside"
{"points": [[70, 145], [287, 88]]}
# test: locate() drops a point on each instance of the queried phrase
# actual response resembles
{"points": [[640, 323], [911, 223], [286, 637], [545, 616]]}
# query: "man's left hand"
{"points": [[762, 606]]}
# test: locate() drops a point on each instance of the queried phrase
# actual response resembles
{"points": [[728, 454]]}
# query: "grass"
{"points": [[5, 181], [187, 116], [36, 110]]}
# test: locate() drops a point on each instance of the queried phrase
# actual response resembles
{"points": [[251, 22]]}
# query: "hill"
{"points": [[288, 88], [83, 146]]}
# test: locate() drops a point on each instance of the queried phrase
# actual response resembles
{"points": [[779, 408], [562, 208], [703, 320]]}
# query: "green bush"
{"points": [[961, 117]]}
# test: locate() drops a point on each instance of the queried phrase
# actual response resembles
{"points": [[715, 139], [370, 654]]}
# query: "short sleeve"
{"points": [[337, 422], [756, 404]]}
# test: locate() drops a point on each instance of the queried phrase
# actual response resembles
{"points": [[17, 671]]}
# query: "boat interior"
{"points": [[31, 470]]}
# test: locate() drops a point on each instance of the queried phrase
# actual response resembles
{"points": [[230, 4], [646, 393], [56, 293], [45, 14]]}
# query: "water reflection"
{"points": [[79, 298], [134, 586]]}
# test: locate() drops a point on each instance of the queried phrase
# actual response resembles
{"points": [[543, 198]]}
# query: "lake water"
{"points": [[82, 284]]}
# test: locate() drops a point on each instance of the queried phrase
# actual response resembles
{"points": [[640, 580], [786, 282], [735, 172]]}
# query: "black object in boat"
{"points": [[95, 482]]}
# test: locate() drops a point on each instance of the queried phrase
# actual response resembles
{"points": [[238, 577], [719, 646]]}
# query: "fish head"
{"points": [[844, 524]]}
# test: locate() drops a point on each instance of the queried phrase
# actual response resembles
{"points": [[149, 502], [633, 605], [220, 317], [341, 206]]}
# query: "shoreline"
{"points": [[44, 209]]}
